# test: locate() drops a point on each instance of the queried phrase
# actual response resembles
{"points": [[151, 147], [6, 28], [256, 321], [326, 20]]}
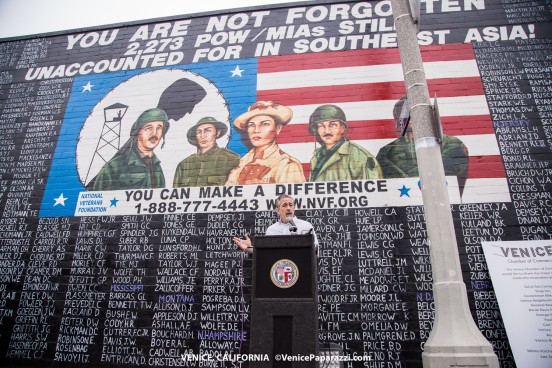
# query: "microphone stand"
{"points": [[293, 227]]}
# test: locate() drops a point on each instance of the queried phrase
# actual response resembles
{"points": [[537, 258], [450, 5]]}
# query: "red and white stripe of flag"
{"points": [[367, 83]]}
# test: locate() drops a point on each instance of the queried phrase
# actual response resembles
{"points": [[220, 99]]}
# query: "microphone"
{"points": [[293, 227]]}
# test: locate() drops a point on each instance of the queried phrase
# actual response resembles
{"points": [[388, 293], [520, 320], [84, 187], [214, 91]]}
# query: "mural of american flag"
{"points": [[367, 83]]}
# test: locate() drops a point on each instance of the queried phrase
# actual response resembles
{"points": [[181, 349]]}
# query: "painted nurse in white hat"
{"points": [[265, 163]]}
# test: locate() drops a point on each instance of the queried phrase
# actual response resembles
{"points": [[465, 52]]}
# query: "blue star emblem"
{"points": [[114, 202], [404, 191]]}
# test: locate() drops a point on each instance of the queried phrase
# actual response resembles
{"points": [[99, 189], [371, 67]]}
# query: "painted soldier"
{"points": [[398, 158], [135, 165], [210, 165], [266, 162], [338, 158]]}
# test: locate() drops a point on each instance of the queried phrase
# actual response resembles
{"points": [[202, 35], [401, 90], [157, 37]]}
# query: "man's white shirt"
{"points": [[303, 227]]}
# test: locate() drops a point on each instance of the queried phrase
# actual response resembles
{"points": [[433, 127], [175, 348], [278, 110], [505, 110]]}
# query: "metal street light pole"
{"points": [[455, 340]]}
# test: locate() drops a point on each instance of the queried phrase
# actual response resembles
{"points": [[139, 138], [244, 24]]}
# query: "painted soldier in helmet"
{"points": [[338, 158], [398, 158], [135, 165], [211, 164]]}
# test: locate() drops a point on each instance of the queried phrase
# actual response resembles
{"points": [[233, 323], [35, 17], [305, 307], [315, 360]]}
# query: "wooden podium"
{"points": [[284, 316]]}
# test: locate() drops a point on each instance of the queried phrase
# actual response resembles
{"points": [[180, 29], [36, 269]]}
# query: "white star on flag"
{"points": [[60, 200], [87, 87], [237, 72]]}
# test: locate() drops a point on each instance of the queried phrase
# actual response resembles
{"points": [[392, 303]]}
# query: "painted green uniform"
{"points": [[398, 159], [346, 161], [129, 169], [205, 169], [126, 170]]}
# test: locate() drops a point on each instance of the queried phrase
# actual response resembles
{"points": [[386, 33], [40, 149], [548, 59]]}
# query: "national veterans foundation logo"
{"points": [[284, 273]]}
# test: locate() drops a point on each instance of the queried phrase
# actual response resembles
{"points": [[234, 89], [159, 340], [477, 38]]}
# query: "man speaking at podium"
{"points": [[284, 318], [288, 224]]}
